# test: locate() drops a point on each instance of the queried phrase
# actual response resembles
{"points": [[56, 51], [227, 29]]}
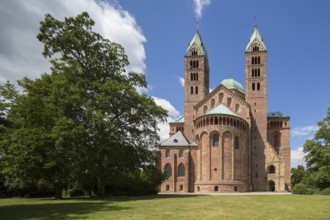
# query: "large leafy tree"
{"points": [[85, 122], [317, 172], [318, 154]]}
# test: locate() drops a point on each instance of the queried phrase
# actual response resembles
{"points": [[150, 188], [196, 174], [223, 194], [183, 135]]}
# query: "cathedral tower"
{"points": [[256, 96], [196, 81]]}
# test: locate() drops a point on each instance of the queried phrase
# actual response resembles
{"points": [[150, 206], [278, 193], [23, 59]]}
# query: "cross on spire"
{"points": [[255, 21]]}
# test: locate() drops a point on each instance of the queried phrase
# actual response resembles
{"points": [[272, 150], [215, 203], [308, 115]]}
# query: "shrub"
{"points": [[301, 188], [326, 191]]}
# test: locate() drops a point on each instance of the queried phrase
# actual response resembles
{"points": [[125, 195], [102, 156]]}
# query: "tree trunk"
{"points": [[58, 192], [101, 187]]}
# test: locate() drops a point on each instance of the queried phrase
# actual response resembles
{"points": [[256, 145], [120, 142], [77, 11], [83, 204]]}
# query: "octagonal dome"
{"points": [[230, 83]]}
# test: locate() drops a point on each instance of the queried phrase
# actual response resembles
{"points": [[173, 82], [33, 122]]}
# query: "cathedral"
{"points": [[226, 141]]}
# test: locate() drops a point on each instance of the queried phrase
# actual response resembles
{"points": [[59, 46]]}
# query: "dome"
{"points": [[230, 83]]}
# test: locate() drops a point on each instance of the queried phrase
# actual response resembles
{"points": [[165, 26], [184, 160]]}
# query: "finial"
{"points": [[255, 21], [230, 76], [197, 25]]}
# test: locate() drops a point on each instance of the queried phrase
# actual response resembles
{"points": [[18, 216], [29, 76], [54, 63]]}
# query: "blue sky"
{"points": [[156, 34], [296, 33]]}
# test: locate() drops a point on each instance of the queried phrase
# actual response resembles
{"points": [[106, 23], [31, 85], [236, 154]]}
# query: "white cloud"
{"points": [[297, 157], [199, 5], [181, 81], [304, 131], [173, 114], [20, 51]]}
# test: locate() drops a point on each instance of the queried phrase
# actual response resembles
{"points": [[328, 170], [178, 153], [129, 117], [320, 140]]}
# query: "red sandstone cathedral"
{"points": [[226, 141]]}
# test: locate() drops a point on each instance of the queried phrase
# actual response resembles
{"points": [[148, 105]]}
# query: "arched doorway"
{"points": [[271, 186]]}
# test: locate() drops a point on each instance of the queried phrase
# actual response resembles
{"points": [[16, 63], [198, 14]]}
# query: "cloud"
{"points": [[181, 81], [297, 157], [199, 5], [304, 131], [173, 114], [20, 51]]}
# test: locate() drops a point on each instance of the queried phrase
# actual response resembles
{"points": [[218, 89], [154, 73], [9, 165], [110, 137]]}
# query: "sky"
{"points": [[156, 34]]}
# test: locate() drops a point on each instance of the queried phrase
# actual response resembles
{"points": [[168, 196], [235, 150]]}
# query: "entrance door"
{"points": [[271, 186]]}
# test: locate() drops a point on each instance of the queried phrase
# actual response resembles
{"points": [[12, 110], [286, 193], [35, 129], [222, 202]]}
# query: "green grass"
{"points": [[171, 207]]}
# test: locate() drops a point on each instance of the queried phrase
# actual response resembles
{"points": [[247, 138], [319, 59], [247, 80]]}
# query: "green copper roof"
{"points": [[221, 110], [255, 35], [275, 115], [197, 40], [180, 120], [230, 83]]}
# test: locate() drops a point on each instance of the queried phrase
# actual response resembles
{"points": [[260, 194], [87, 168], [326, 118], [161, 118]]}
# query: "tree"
{"points": [[318, 154], [85, 122], [297, 175]]}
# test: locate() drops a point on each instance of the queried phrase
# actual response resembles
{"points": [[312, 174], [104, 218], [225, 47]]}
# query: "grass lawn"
{"points": [[171, 207]]}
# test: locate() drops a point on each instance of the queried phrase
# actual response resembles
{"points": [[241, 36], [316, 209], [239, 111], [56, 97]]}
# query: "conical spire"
{"points": [[197, 40], [256, 36]]}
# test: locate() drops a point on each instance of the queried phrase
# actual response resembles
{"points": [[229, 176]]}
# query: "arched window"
{"points": [[181, 153], [271, 169], [191, 64], [258, 86], [256, 48], [258, 72], [196, 90], [181, 170], [236, 107], [236, 142], [253, 87], [168, 170], [252, 60], [276, 140], [228, 102], [191, 90], [220, 97], [167, 153], [258, 60], [212, 103], [204, 109], [215, 140], [216, 188], [197, 64], [252, 72]]}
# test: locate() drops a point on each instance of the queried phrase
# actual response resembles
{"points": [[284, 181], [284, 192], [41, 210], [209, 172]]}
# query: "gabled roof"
{"points": [[197, 40], [276, 115], [255, 35], [178, 139], [220, 110]]}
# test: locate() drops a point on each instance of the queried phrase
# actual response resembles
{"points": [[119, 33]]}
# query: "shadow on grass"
{"points": [[150, 197], [58, 210]]}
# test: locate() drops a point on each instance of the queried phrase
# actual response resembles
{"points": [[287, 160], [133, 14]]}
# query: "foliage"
{"points": [[85, 123], [326, 191], [317, 173], [301, 188], [297, 175]]}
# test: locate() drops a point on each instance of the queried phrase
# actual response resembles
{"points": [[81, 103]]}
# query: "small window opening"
{"points": [[215, 140]]}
